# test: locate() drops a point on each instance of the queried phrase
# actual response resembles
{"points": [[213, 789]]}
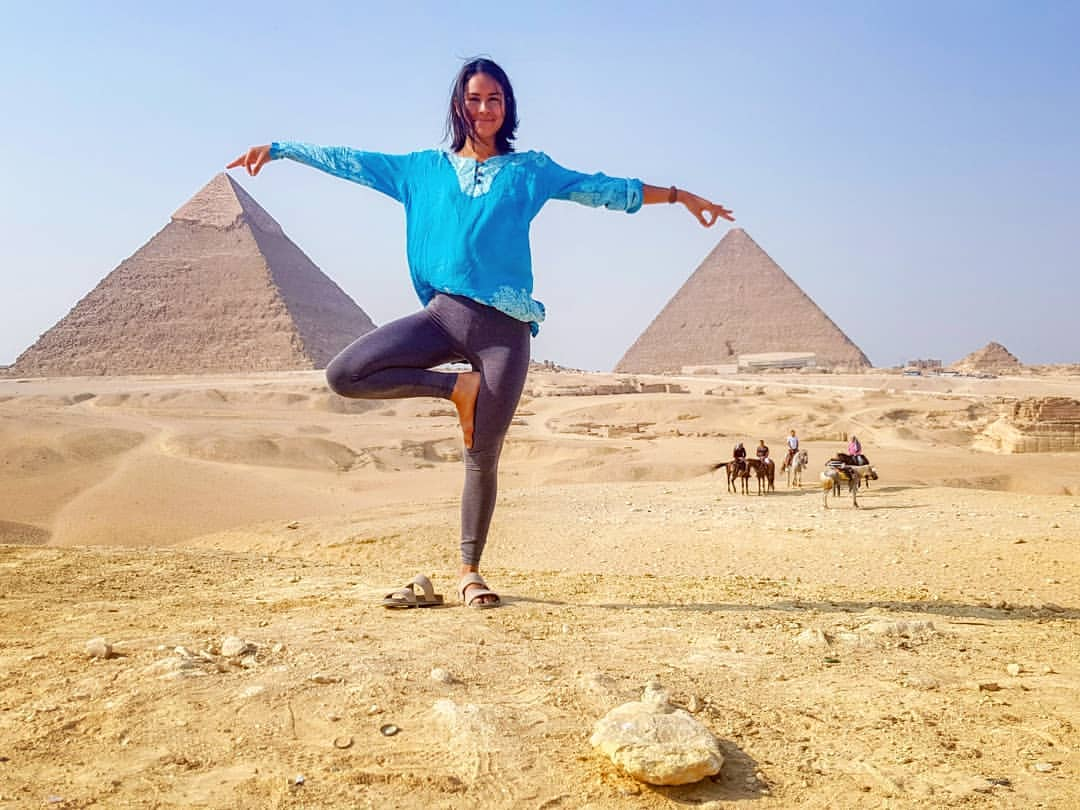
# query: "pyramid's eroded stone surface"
{"points": [[218, 289], [992, 357], [738, 301]]}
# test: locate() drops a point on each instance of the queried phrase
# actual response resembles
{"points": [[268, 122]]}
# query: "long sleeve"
{"points": [[596, 190], [385, 173]]}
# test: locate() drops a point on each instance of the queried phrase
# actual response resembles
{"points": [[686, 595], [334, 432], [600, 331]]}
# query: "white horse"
{"points": [[796, 467]]}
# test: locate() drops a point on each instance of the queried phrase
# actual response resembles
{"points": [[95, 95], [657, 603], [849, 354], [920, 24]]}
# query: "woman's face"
{"points": [[485, 106]]}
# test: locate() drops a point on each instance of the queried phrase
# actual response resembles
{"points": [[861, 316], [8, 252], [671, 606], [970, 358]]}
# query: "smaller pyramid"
{"points": [[993, 357], [220, 288], [738, 302]]}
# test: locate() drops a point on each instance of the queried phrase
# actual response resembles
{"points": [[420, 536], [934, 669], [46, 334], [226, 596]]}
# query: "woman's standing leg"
{"points": [[498, 347]]}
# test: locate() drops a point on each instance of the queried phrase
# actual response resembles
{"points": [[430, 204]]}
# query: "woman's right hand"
{"points": [[253, 159]]}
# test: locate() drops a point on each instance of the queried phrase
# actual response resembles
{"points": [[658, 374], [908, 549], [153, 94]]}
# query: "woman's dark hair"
{"points": [[458, 126]]}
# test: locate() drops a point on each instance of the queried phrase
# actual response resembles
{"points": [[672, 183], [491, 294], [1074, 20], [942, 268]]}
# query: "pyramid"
{"points": [[221, 288], [738, 301], [991, 357]]}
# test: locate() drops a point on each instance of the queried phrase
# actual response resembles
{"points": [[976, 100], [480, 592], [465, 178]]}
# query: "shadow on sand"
{"points": [[934, 608]]}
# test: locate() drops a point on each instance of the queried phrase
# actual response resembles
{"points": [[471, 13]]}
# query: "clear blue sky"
{"points": [[912, 166]]}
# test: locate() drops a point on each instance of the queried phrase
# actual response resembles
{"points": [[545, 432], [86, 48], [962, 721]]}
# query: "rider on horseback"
{"points": [[854, 449], [792, 449], [739, 455], [763, 452]]}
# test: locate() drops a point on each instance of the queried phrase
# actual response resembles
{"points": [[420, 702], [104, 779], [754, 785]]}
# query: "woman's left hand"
{"points": [[706, 212]]}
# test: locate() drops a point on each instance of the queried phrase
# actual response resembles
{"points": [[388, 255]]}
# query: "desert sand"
{"points": [[922, 650]]}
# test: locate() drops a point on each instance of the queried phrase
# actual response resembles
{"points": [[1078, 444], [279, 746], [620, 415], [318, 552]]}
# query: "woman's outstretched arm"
{"points": [[385, 173], [706, 212]]}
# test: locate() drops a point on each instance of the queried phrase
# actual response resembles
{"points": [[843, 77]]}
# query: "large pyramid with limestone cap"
{"points": [[738, 301], [221, 288]]}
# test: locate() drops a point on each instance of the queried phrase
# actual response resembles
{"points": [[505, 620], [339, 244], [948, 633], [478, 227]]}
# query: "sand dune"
{"points": [[845, 657]]}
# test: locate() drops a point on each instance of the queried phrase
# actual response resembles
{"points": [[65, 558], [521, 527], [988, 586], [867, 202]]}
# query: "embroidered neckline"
{"points": [[474, 176]]}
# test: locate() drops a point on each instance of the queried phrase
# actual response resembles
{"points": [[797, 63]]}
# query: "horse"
{"points": [[764, 472], [795, 469], [736, 468], [742, 472]]}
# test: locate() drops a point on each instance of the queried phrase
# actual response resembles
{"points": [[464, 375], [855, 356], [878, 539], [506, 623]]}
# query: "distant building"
{"points": [[924, 364]]}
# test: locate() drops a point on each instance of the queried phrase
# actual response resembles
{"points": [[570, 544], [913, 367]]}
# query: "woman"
{"points": [[854, 447], [468, 211], [763, 452]]}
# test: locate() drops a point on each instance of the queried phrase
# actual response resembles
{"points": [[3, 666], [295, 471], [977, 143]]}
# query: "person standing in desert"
{"points": [[468, 209]]}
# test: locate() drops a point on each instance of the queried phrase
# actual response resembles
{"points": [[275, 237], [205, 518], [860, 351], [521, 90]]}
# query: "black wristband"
{"points": [[672, 195]]}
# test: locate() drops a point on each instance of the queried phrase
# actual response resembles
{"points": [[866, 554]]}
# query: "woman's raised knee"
{"points": [[338, 376]]}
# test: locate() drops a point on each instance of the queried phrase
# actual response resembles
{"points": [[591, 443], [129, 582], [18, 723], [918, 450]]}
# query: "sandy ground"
{"points": [[920, 651]]}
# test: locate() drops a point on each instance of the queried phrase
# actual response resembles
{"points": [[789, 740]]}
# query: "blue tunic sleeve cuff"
{"points": [[635, 195]]}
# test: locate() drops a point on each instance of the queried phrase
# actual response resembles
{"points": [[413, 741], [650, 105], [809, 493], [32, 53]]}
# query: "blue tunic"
{"points": [[468, 221]]}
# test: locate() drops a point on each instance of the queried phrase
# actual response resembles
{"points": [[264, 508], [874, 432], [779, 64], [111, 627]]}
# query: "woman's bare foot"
{"points": [[466, 390], [487, 599]]}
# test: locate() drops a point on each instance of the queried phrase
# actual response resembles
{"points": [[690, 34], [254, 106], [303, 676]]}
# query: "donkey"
{"points": [[860, 463], [832, 477]]}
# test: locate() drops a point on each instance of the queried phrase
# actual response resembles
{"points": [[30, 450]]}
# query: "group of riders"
{"points": [[854, 450]]}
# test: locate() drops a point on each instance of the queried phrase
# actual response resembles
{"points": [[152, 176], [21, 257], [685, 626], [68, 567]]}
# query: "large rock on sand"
{"points": [[656, 743]]}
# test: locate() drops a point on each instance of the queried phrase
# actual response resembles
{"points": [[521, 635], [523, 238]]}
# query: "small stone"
{"points": [[1044, 767], [1048, 670], [440, 675], [694, 705], [812, 637], [234, 647], [389, 730], [343, 742], [989, 686], [322, 677], [1013, 669], [374, 709], [99, 648], [294, 525], [277, 648]]}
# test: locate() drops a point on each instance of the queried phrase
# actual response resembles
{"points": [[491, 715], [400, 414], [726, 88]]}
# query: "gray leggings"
{"points": [[393, 362]]}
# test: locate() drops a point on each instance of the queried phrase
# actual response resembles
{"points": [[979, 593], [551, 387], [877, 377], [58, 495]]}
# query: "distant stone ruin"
{"points": [[993, 358], [221, 288], [738, 302], [1044, 425]]}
